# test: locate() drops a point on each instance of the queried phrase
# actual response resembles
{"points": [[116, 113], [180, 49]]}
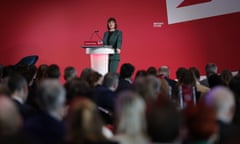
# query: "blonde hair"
{"points": [[130, 113]]}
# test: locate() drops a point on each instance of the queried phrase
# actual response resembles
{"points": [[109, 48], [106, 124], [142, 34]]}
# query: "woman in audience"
{"points": [[84, 125], [226, 76], [130, 119]]}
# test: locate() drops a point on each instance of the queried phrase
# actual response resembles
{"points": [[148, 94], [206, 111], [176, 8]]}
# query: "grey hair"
{"points": [[155, 85], [52, 95], [222, 99], [130, 112]]}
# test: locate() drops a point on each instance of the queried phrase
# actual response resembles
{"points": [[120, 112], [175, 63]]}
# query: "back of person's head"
{"points": [[126, 70], [215, 80], [77, 88], [10, 120], [94, 78], [69, 73], [83, 122], [211, 68], [222, 99], [51, 96], [152, 71], [53, 71], [226, 76], [42, 71], [195, 72], [154, 85], [111, 80], [201, 123], [141, 73], [84, 73], [180, 72], [27, 71], [163, 121], [164, 71], [235, 86], [16, 83], [187, 78], [130, 114]]}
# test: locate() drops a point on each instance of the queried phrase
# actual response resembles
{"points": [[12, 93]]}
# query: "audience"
{"points": [[36, 108]]}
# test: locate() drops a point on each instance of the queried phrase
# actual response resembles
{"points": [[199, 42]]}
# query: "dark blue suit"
{"points": [[45, 129]]}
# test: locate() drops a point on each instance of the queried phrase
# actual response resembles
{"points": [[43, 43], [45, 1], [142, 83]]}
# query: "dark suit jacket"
{"points": [[104, 98], [115, 41], [44, 129], [124, 85], [25, 110]]}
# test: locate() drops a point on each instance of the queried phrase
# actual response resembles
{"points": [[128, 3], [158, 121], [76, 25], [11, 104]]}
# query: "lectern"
{"points": [[99, 57]]}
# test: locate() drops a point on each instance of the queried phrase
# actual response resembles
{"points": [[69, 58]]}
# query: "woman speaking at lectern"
{"points": [[113, 37]]}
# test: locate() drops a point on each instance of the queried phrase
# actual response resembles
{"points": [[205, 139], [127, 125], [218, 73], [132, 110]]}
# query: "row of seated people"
{"points": [[142, 110]]}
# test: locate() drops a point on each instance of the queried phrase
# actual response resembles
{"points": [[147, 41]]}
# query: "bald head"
{"points": [[222, 99]]}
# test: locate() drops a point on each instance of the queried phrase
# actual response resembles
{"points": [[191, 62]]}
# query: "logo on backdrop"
{"points": [[187, 10]]}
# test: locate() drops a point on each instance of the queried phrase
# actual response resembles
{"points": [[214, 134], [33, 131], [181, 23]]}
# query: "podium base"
{"points": [[99, 63]]}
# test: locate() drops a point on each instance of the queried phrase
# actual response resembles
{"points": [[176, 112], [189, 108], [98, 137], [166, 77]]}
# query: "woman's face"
{"points": [[111, 25]]}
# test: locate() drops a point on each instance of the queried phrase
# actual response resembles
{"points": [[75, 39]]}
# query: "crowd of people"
{"points": [[129, 107]]}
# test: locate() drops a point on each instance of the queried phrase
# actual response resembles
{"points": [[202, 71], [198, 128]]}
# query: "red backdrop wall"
{"points": [[55, 30]]}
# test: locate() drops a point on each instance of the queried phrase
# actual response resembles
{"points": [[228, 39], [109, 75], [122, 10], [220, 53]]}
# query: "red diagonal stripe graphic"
{"points": [[192, 2]]}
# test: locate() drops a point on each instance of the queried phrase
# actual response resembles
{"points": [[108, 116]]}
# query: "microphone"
{"points": [[96, 33]]}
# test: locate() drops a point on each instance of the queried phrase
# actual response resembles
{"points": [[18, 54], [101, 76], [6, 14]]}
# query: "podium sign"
{"points": [[99, 56]]}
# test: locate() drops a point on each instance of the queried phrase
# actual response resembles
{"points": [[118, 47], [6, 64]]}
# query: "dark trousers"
{"points": [[113, 62]]}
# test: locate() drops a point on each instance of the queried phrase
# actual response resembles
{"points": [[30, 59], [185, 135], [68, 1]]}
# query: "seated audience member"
{"points": [[222, 99], [69, 73], [41, 72], [200, 88], [84, 125], [53, 71], [235, 87], [185, 92], [47, 126], [210, 69], [201, 124], [18, 87], [164, 122], [226, 76], [180, 72], [105, 95], [140, 74], [148, 88], [152, 71], [130, 119], [125, 77], [163, 72], [10, 123], [92, 77], [77, 88]]}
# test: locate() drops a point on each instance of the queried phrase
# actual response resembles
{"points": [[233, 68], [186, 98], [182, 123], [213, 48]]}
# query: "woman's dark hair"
{"points": [[111, 19]]}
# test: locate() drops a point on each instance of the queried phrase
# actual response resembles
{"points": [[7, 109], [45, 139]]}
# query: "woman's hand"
{"points": [[118, 50]]}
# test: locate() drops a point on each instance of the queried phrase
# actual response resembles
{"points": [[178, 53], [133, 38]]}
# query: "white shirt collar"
{"points": [[18, 99]]}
